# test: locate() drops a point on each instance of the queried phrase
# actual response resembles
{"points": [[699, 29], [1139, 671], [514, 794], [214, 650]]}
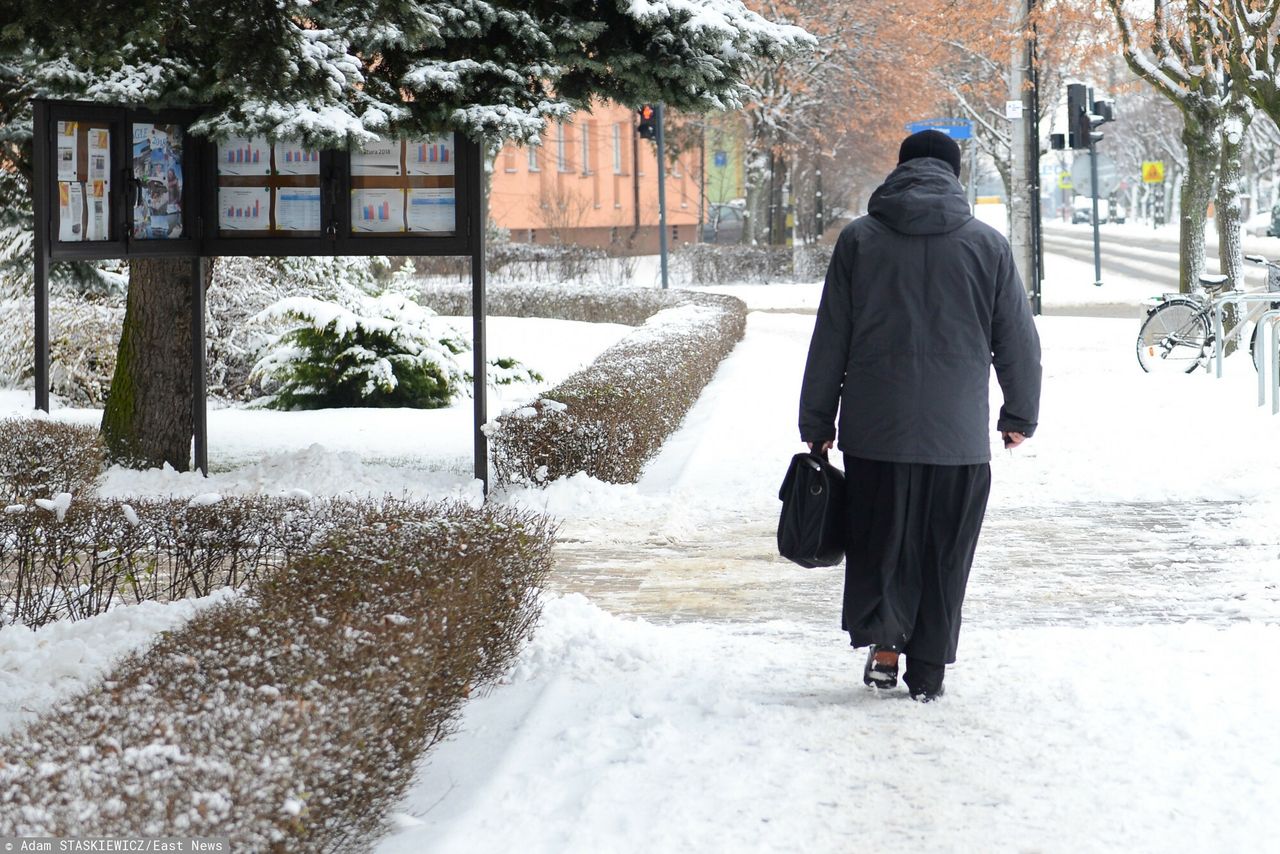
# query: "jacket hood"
{"points": [[921, 196]]}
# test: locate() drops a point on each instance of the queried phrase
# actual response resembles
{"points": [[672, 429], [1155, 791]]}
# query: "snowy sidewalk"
{"points": [[1114, 689]]}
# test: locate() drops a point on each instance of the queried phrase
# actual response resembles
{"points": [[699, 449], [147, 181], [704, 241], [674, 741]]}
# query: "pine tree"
{"points": [[335, 72]]}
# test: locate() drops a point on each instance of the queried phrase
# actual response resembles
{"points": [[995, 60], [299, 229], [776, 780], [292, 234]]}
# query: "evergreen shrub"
{"points": [[290, 718]]}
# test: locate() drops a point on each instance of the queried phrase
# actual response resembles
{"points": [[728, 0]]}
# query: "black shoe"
{"points": [[928, 696], [924, 680], [879, 675]]}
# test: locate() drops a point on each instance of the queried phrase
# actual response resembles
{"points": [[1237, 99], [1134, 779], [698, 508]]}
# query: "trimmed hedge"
{"points": [[289, 719], [610, 418], [40, 458], [80, 558]]}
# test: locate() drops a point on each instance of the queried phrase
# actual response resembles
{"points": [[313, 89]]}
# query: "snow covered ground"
{"points": [[689, 691]]}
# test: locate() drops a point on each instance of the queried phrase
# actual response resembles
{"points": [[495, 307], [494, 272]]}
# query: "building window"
{"points": [[562, 149], [617, 149], [533, 158], [509, 159], [586, 150]]}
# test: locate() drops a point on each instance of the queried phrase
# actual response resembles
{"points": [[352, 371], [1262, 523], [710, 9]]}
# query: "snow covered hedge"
{"points": [[612, 417], [40, 458], [68, 557], [290, 718]]}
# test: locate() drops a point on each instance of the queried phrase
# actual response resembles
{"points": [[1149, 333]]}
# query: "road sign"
{"points": [[1012, 110], [1108, 175], [954, 128], [721, 159], [1153, 171], [1064, 180]]}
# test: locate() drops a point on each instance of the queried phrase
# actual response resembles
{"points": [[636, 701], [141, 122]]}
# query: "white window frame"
{"points": [[586, 148], [533, 158], [617, 148], [562, 149]]}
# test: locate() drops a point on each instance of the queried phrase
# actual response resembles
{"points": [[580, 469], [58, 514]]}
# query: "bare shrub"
{"points": [[289, 719], [83, 338], [712, 264], [40, 458]]}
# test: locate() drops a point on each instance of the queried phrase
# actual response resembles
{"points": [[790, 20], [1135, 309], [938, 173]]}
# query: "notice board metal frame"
{"points": [[201, 238]]}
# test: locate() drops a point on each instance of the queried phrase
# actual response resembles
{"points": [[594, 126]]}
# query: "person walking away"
{"points": [[920, 301]]}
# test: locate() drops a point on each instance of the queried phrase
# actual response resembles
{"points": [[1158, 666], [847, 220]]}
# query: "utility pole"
{"points": [[662, 195], [1032, 112]]}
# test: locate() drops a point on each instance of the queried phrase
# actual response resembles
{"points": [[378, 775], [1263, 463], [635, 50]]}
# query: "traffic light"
{"points": [[1078, 125], [648, 127], [1084, 114]]}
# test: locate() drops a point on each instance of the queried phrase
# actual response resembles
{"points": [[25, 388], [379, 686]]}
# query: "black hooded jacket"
{"points": [[920, 301]]}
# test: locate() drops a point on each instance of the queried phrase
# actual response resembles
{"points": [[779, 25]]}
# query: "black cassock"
{"points": [[912, 531]]}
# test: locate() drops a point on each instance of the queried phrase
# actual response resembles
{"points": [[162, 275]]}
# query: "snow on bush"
{"points": [[393, 353], [84, 334], [569, 301], [290, 718], [80, 557], [41, 458], [612, 417]]}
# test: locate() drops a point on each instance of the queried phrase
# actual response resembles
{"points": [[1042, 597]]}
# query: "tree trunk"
{"points": [[148, 417], [1227, 207], [1197, 189]]}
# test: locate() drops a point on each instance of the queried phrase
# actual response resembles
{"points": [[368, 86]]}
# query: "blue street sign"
{"points": [[954, 128], [721, 159]]}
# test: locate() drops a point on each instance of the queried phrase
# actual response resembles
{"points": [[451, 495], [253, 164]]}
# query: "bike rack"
{"points": [[1271, 319]]}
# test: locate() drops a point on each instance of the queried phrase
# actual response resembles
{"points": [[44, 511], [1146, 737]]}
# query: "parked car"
{"points": [[1082, 210], [724, 224]]}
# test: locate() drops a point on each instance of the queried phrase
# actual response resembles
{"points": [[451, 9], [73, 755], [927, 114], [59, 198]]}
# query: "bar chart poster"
{"points": [[298, 209], [293, 159], [430, 156], [380, 157], [244, 208], [240, 155], [432, 209], [377, 210]]}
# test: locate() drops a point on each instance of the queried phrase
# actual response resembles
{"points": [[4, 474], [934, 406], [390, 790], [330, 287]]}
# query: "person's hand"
{"points": [[826, 446], [1012, 439]]}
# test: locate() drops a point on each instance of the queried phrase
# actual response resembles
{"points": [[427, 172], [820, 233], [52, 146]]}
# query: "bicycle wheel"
{"points": [[1174, 338]]}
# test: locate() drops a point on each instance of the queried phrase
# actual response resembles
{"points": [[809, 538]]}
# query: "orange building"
{"points": [[593, 181]]}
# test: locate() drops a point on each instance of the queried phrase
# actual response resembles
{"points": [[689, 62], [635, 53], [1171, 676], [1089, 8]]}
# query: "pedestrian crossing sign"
{"points": [[1153, 171], [1064, 180]]}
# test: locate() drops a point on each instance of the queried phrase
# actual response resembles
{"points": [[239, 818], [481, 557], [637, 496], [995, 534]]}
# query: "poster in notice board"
{"points": [[157, 166]]}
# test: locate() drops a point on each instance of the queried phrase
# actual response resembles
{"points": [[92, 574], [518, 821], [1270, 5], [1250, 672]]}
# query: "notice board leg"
{"points": [[40, 207], [199, 391]]}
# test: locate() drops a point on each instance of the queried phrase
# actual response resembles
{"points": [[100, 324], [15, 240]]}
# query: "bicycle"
{"points": [[1177, 335]]}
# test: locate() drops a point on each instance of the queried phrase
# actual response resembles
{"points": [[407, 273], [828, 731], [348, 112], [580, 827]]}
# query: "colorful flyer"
{"points": [[100, 155], [293, 159], [244, 208], [70, 211], [377, 210], [157, 165], [433, 209], [96, 227], [297, 208], [242, 155], [430, 156], [380, 157], [68, 152]]}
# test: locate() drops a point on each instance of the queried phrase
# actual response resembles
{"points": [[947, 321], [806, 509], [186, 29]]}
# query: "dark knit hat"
{"points": [[931, 143]]}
